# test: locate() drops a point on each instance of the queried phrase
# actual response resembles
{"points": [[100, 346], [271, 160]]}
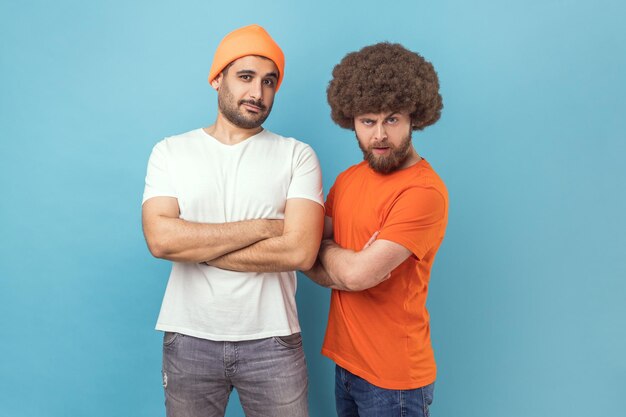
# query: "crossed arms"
{"points": [[265, 245], [348, 270], [260, 245]]}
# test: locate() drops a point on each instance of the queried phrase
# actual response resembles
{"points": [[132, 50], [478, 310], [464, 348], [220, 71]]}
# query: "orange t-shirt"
{"points": [[382, 334]]}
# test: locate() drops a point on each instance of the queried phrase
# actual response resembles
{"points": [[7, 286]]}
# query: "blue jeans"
{"points": [[269, 374], [355, 397]]}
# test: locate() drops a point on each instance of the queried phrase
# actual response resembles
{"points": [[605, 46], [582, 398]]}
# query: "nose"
{"points": [[379, 132], [256, 91]]}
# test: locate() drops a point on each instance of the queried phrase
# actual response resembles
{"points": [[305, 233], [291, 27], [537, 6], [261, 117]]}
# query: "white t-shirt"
{"points": [[218, 183]]}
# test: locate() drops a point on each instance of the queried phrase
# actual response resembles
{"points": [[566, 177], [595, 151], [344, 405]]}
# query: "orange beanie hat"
{"points": [[248, 40]]}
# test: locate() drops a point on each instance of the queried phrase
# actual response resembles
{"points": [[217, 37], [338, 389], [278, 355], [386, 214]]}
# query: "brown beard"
{"points": [[390, 163], [225, 103]]}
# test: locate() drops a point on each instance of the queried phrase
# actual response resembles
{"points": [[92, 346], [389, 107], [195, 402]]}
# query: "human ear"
{"points": [[215, 83]]}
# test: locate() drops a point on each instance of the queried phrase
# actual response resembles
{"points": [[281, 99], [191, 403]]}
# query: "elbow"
{"points": [[351, 283], [304, 259], [156, 251], [356, 280], [346, 280], [154, 241], [306, 265], [156, 248]]}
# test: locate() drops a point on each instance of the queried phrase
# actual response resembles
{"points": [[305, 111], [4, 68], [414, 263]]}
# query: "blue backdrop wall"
{"points": [[527, 294]]}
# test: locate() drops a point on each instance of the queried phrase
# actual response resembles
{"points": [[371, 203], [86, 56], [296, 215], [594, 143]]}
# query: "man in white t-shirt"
{"points": [[237, 209]]}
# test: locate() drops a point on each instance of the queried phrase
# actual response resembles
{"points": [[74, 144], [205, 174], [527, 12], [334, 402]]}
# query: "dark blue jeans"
{"points": [[355, 397]]}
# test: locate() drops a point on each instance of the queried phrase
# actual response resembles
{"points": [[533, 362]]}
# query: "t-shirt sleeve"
{"points": [[416, 220], [306, 181], [158, 178]]}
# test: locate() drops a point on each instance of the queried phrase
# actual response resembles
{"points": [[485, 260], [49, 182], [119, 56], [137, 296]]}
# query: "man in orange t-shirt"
{"points": [[385, 219]]}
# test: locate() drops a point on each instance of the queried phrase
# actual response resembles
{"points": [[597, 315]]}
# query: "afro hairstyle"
{"points": [[385, 77]]}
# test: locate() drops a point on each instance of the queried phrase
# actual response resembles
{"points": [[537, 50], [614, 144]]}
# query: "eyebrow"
{"points": [[251, 72]]}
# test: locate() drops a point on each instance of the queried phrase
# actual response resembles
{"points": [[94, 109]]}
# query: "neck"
{"points": [[228, 133], [412, 159]]}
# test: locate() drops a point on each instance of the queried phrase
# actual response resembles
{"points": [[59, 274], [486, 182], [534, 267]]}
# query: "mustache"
{"points": [[377, 145], [257, 103]]}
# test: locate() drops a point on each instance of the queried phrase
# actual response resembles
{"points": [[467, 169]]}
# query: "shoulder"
{"points": [[286, 141], [286, 148], [422, 192], [185, 147], [426, 177], [180, 141], [185, 139], [354, 171]]}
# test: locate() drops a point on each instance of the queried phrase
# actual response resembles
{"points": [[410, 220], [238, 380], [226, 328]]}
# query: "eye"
{"points": [[367, 122], [268, 82], [392, 120], [245, 77]]}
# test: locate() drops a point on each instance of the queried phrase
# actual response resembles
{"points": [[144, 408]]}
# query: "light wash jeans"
{"points": [[355, 397], [269, 374]]}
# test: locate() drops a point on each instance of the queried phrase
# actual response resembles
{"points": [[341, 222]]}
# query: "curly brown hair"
{"points": [[384, 77]]}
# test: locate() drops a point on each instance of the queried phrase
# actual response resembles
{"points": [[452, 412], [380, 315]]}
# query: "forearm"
{"points": [[336, 262], [295, 249], [348, 269], [184, 241], [277, 254], [320, 276]]}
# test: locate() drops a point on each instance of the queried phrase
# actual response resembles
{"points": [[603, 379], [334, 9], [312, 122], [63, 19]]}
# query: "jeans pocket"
{"points": [[427, 397], [293, 341], [169, 338], [428, 393]]}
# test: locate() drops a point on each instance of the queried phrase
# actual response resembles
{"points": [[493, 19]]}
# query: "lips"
{"points": [[255, 107], [252, 107], [380, 151]]}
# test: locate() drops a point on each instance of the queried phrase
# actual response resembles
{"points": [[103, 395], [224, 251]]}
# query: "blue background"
{"points": [[528, 290]]}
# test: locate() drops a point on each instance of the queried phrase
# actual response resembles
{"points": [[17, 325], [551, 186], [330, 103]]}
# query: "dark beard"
{"points": [[387, 164], [235, 115]]}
